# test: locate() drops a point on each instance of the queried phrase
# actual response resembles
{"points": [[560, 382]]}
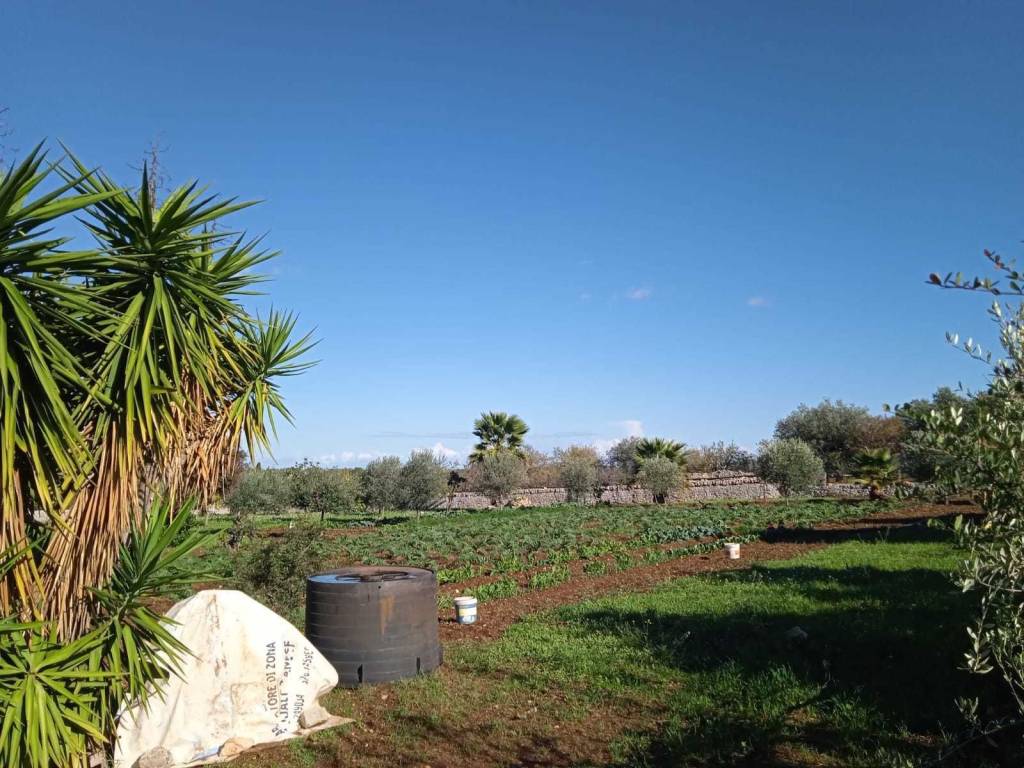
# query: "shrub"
{"points": [[498, 475], [833, 430], [721, 456], [260, 492], [542, 470], [661, 476], [578, 471], [274, 570], [382, 487], [320, 490], [423, 481], [790, 464]]}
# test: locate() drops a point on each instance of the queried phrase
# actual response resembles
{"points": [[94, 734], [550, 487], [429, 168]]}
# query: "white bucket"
{"points": [[465, 610], [733, 551]]}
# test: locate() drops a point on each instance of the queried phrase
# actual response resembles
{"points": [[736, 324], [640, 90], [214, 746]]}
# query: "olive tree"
{"points": [[790, 464], [423, 480], [322, 490], [984, 448], [259, 492], [578, 471], [660, 475], [498, 475], [382, 485]]}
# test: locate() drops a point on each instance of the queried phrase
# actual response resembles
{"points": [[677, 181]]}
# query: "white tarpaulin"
{"points": [[251, 675]]}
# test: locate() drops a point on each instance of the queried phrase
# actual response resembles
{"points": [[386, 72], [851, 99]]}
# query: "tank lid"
{"points": [[364, 575]]}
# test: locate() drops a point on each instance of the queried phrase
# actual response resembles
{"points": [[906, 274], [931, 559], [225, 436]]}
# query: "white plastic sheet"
{"points": [[251, 676]]}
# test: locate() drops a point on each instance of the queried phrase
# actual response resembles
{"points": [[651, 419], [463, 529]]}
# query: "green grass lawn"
{"points": [[699, 672], [874, 678]]}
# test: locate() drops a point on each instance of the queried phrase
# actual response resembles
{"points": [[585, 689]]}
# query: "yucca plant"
{"points": [[497, 431], [51, 696], [136, 646], [60, 700], [44, 454], [130, 375]]}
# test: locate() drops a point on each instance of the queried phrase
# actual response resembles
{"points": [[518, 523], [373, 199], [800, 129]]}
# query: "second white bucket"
{"points": [[465, 610], [732, 550]]}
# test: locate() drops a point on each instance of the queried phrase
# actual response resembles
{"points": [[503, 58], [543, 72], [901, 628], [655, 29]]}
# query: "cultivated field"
{"points": [[624, 637]]}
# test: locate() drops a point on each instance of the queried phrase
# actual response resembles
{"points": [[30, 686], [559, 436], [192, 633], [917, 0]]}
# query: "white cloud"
{"points": [[346, 458], [626, 428], [757, 301], [585, 296], [638, 294], [443, 451]]}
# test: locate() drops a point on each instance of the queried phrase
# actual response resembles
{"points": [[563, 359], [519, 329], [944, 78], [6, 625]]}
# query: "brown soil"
{"points": [[495, 616]]}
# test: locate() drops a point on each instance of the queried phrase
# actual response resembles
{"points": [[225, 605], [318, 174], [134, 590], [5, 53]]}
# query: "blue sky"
{"points": [[680, 219]]}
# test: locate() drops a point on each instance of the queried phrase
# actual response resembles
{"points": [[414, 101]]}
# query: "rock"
{"points": [[312, 716], [158, 757], [796, 633], [236, 745]]}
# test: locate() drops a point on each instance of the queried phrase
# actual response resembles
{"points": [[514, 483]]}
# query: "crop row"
{"points": [[515, 584]]}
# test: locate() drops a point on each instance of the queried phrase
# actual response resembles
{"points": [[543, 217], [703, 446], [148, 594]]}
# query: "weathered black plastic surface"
{"points": [[374, 624]]}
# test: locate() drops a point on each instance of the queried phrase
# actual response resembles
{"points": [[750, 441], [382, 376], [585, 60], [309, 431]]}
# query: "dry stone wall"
{"points": [[702, 487]]}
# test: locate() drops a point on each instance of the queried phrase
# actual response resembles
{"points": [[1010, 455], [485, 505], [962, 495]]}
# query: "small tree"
{"points": [[876, 469], [423, 480], [790, 464], [259, 492], [621, 460], [578, 471], [382, 487], [321, 490], [498, 475], [661, 476]]}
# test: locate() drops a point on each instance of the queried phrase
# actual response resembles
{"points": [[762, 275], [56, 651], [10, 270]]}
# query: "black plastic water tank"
{"points": [[374, 624]]}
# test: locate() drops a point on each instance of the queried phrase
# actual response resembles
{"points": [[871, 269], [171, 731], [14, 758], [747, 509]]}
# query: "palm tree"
{"points": [[877, 469], [651, 447], [497, 431]]}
